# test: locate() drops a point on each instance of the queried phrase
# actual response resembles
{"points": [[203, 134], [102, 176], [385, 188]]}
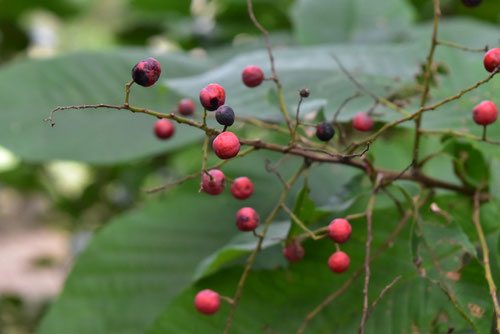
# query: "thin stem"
{"points": [[476, 217], [299, 222], [483, 138], [294, 133], [127, 92], [461, 47]]}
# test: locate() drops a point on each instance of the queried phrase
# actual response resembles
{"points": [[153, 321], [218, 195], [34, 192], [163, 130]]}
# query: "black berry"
{"points": [[325, 131], [471, 3], [225, 115], [304, 92], [146, 72]]}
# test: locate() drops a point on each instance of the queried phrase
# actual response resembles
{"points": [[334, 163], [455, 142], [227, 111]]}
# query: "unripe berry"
{"points": [[224, 115], [339, 262], [293, 251], [146, 72], [485, 113], [339, 230], [226, 145], [213, 182], [242, 188], [252, 76], [325, 131], [186, 107], [362, 122], [207, 301], [212, 96], [491, 59], [164, 128], [471, 3], [247, 219]]}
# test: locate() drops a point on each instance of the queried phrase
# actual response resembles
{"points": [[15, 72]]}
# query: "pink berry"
{"points": [[213, 183], [146, 72], [164, 128], [485, 113], [252, 76], [247, 219], [339, 262], [207, 301], [339, 230], [226, 145], [186, 107], [212, 96], [362, 122], [293, 251], [491, 59], [242, 188]]}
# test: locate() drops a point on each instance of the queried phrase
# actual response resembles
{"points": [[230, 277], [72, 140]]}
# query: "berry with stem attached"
{"points": [[207, 302], [164, 128], [339, 230], [247, 219], [293, 251], [224, 115], [339, 262], [226, 145], [212, 96], [252, 76], [491, 59], [186, 107], [362, 122], [146, 72], [485, 113], [212, 182], [324, 131], [242, 188]]}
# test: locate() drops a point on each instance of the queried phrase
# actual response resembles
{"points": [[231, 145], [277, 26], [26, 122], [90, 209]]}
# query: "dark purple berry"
{"points": [[325, 131], [224, 115], [471, 3], [304, 92], [146, 72]]}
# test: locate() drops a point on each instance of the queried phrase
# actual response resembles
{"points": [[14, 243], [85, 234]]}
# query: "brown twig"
{"points": [[462, 47]]}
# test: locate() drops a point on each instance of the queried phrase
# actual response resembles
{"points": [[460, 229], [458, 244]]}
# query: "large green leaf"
{"points": [[30, 89], [334, 21]]}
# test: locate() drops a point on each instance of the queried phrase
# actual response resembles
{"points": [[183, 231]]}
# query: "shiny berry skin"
{"points": [[362, 122], [485, 113], [339, 230], [247, 219], [213, 183], [212, 96], [224, 115], [207, 301], [164, 128], [186, 107], [491, 59], [252, 76], [226, 145], [471, 3], [146, 72], [293, 251], [242, 188], [339, 262], [325, 131]]}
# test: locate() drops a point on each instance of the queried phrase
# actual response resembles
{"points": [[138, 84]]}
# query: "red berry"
{"points": [[485, 113], [339, 230], [242, 188], [146, 72], [362, 122], [164, 128], [247, 219], [491, 59], [186, 107], [212, 96], [226, 145], [207, 301], [293, 251], [252, 76], [339, 262], [213, 183]]}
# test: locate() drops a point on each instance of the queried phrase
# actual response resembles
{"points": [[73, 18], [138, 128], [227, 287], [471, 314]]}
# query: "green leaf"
{"points": [[96, 136], [336, 21]]}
